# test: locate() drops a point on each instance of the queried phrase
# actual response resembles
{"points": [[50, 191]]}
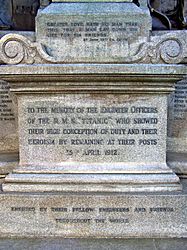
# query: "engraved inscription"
{"points": [[6, 112], [178, 110], [88, 132], [179, 100], [8, 128], [79, 215], [77, 128], [94, 215], [98, 31]]}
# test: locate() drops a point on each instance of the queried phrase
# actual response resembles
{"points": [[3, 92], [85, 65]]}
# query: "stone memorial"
{"points": [[92, 94], [116, 139], [176, 156], [8, 131], [177, 138], [65, 30]]}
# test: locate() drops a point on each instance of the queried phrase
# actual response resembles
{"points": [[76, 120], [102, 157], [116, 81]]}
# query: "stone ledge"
{"points": [[92, 215], [94, 244]]}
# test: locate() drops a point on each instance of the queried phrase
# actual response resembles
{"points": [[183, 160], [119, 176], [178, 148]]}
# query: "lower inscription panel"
{"points": [[108, 215]]}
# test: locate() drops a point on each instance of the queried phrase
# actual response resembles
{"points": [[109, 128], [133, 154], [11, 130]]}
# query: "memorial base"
{"points": [[104, 215], [126, 182], [92, 127]]}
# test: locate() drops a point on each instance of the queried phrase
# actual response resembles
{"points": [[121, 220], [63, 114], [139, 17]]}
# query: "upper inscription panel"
{"points": [[92, 32]]}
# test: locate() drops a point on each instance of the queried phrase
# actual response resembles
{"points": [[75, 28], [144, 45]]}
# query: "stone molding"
{"points": [[169, 48], [76, 78]]}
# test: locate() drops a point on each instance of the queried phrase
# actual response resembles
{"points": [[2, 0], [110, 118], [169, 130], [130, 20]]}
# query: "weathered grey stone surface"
{"points": [[92, 215], [177, 129], [84, 129], [8, 114], [7, 72], [61, 108], [143, 3], [92, 32], [86, 105], [93, 244], [8, 130], [161, 48], [92, 136]]}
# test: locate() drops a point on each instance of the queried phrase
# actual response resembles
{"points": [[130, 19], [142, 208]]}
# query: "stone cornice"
{"points": [[92, 78], [169, 48]]}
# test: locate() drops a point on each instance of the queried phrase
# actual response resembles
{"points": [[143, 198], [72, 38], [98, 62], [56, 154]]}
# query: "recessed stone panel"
{"points": [[177, 120], [65, 129], [177, 129], [8, 131]]}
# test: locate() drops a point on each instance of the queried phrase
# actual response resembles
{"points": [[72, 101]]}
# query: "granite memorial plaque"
{"points": [[8, 131], [177, 129], [82, 128], [92, 31]]}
